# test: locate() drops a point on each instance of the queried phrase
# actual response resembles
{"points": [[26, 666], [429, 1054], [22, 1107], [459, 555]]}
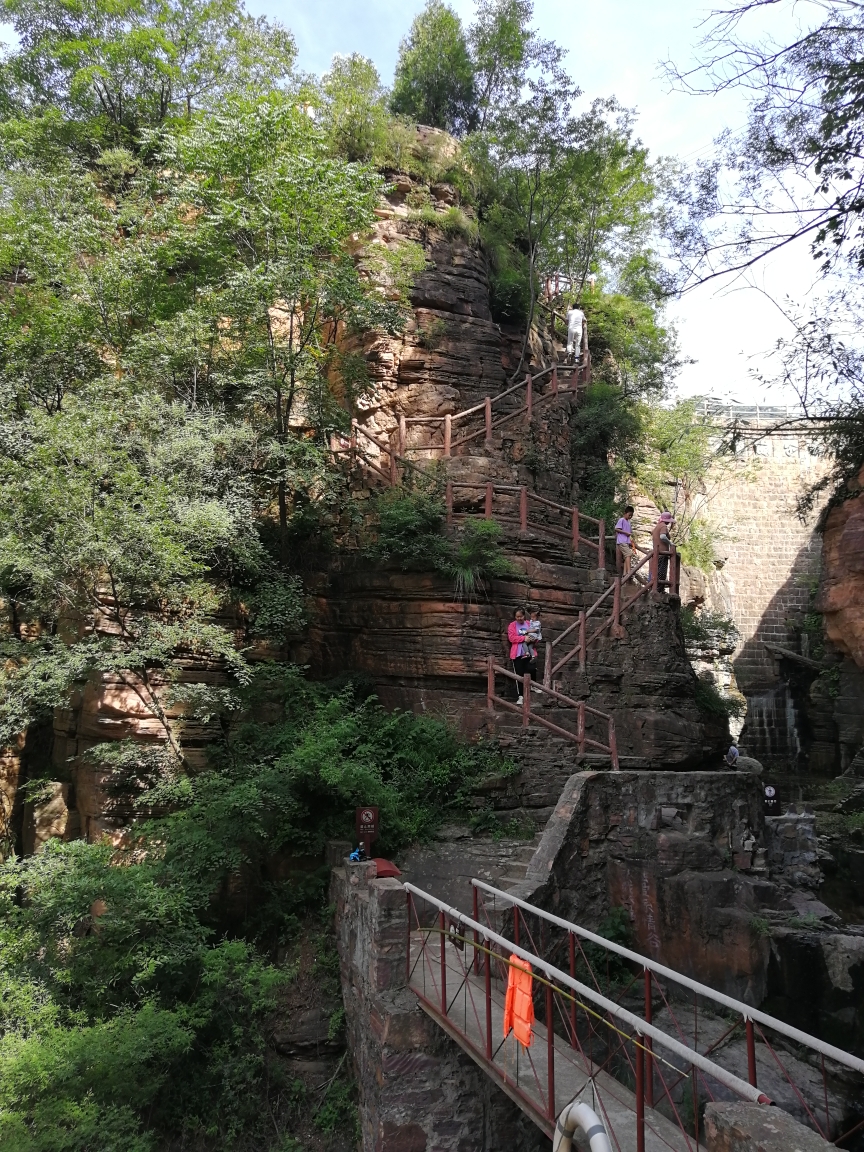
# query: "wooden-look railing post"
{"points": [[655, 567], [613, 745], [675, 572], [547, 669], [448, 497], [616, 603], [580, 726], [487, 404], [403, 434], [448, 431], [526, 700], [575, 529], [394, 476], [488, 508], [523, 509], [554, 379], [582, 633], [490, 683], [601, 545], [529, 395], [353, 442]]}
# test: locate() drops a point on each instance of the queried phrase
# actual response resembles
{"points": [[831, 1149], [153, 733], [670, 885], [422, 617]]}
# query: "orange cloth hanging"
{"points": [[519, 1005]]}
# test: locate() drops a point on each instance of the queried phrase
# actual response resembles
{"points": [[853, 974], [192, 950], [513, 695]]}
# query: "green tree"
{"points": [[526, 158], [504, 48], [355, 109], [126, 67], [434, 82]]}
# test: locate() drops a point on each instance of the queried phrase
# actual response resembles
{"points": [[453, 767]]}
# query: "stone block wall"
{"points": [[418, 1092], [771, 558], [664, 846]]}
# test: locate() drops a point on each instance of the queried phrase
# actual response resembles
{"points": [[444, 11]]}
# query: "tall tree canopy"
{"points": [[434, 82]]}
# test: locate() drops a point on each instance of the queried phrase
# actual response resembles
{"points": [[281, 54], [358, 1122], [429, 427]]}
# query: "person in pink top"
{"points": [[520, 650]]}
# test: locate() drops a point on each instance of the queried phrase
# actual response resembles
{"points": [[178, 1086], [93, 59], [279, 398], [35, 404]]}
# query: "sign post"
{"points": [[367, 827]]}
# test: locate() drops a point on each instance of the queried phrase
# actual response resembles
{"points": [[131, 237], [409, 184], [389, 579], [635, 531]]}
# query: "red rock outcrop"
{"points": [[841, 594]]}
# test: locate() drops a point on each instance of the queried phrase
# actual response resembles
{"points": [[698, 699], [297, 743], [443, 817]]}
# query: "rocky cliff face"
{"points": [[423, 648], [841, 595]]}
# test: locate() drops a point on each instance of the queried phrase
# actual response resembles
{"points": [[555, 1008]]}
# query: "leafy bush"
{"points": [[453, 222], [706, 627], [127, 1017], [477, 557], [710, 699], [411, 523], [605, 445]]}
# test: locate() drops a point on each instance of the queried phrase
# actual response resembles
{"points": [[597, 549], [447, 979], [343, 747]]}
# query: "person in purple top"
{"points": [[624, 541]]}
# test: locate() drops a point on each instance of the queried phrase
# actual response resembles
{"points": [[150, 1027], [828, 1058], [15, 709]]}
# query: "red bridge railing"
{"points": [[704, 1020], [458, 966]]}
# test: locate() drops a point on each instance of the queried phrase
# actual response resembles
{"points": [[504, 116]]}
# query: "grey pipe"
{"points": [[578, 1115]]}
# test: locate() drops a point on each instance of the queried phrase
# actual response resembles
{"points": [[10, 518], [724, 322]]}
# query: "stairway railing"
{"points": [[573, 534], [619, 606], [529, 716], [446, 423]]}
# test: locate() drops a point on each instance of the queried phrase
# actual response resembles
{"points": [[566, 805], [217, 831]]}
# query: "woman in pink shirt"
{"points": [[520, 650]]}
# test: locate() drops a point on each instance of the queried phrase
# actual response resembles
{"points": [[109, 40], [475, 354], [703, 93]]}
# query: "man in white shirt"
{"points": [[576, 326]]}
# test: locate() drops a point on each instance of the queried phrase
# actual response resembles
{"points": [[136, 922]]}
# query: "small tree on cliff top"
{"points": [[434, 81]]}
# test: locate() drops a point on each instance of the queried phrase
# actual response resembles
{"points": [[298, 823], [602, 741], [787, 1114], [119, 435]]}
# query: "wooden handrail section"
{"points": [[530, 717]]}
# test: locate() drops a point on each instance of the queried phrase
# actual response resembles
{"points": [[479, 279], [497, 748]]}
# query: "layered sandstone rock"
{"points": [[841, 595]]}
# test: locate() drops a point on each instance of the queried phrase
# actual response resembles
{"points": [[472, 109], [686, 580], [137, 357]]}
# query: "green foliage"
{"points": [[709, 699], [354, 111], [609, 969], [125, 68], [277, 609], [126, 1017], [477, 556], [709, 628], [434, 82], [697, 543], [452, 222], [759, 926], [605, 445], [411, 523], [338, 1110], [629, 346]]}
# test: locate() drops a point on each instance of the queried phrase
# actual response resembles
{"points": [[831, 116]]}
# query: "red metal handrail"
{"points": [[574, 536], [619, 607], [659, 980], [452, 960], [530, 717]]}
